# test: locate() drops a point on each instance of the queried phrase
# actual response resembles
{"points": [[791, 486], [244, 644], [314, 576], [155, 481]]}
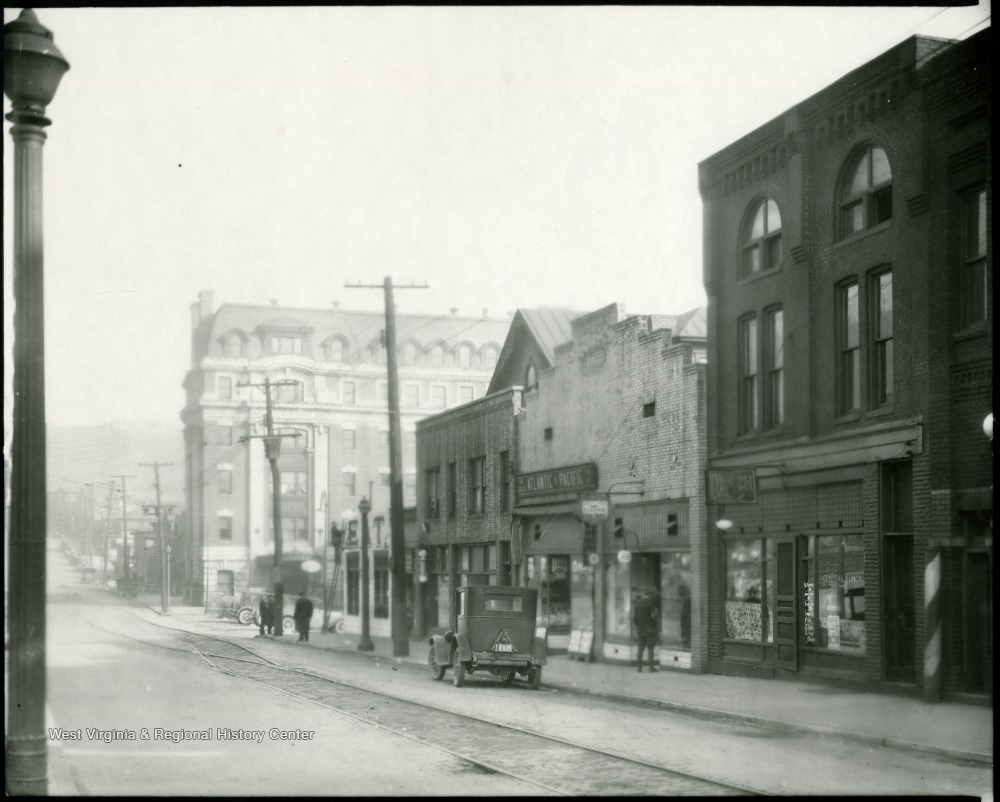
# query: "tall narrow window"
{"points": [[380, 609], [477, 486], [433, 477], [347, 392], [225, 482], [530, 378], [225, 435], [452, 489], [881, 339], [504, 480], [353, 583], [866, 195], [225, 388], [848, 356], [774, 352], [761, 239], [335, 351], [350, 483], [748, 375], [350, 439], [226, 527], [234, 345], [974, 279]]}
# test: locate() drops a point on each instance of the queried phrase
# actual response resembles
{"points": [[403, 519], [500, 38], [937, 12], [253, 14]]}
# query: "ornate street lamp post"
{"points": [[365, 644], [32, 68]]}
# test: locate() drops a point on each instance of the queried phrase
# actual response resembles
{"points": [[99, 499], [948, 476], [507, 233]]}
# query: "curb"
{"points": [[784, 726]]}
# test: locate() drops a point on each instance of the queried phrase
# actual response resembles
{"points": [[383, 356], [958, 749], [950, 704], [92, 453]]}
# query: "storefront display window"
{"points": [[551, 575], [675, 600], [743, 590], [444, 600], [834, 589], [581, 591]]}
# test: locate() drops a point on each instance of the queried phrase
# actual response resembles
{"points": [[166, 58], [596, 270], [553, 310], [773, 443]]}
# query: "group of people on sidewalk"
{"points": [[302, 615]]}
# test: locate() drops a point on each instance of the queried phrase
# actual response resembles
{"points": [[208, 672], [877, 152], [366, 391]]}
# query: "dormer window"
{"points": [[464, 356], [286, 345], [234, 345], [761, 241], [334, 351]]}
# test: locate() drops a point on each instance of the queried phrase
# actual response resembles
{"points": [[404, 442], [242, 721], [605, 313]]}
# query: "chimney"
{"points": [[205, 303]]}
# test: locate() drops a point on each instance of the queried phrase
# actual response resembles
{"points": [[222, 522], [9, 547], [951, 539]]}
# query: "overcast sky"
{"points": [[508, 157]]}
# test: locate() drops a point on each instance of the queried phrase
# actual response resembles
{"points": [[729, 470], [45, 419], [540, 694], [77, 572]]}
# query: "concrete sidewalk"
{"points": [[949, 729]]}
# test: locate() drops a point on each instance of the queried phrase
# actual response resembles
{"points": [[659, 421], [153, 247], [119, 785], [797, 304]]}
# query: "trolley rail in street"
{"points": [[550, 763]]}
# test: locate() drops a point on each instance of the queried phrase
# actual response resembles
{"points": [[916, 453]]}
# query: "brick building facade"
{"points": [[848, 266]]}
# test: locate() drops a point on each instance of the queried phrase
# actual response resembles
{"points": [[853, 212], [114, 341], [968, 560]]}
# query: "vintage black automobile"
{"points": [[495, 632]]}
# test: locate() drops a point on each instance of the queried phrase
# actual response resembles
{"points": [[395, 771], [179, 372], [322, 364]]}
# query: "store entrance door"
{"points": [[785, 614], [899, 619]]}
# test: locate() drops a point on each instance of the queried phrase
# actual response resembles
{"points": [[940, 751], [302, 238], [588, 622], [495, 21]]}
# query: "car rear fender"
{"points": [[540, 653], [463, 649]]}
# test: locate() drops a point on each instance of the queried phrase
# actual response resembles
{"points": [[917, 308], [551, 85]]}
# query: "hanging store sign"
{"points": [[732, 487], [594, 510], [572, 479]]}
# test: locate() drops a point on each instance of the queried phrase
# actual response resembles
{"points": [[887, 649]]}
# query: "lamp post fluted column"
{"points": [[33, 67]]}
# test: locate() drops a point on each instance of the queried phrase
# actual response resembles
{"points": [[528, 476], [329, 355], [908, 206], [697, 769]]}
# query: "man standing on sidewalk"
{"points": [[303, 615], [645, 621]]}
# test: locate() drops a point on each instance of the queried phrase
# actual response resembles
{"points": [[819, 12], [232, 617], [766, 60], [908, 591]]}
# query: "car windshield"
{"points": [[504, 602]]}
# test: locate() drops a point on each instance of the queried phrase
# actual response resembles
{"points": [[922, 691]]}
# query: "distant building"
{"points": [[848, 266], [338, 407]]}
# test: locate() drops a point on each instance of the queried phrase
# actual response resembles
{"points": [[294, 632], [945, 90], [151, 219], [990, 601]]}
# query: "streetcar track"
{"points": [[575, 768]]}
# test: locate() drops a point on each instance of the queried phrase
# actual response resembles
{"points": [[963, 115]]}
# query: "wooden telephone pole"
{"points": [[161, 538], [397, 544], [107, 526], [272, 450]]}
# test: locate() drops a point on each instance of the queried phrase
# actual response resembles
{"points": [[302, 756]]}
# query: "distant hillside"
{"points": [[80, 454]]}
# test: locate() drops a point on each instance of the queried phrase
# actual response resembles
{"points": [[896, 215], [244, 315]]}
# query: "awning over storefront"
{"points": [[531, 510]]}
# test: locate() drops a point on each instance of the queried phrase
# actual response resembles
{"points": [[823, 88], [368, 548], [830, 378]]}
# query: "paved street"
{"points": [[114, 665]]}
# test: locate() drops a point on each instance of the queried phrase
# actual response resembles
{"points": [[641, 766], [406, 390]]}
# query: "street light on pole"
{"points": [[32, 69], [365, 644]]}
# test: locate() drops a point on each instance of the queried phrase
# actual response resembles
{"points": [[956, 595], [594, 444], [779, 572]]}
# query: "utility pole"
{"points": [[126, 572], [400, 636], [161, 538], [272, 450], [107, 526]]}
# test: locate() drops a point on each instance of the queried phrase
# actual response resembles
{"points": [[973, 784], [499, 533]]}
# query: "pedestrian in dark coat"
{"points": [[266, 615], [646, 623], [303, 615]]}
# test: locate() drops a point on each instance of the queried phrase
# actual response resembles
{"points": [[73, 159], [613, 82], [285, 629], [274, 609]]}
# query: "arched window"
{"points": [[464, 356], [234, 345], [409, 354], [437, 356], [489, 357], [530, 378], [761, 241], [335, 351], [866, 191]]}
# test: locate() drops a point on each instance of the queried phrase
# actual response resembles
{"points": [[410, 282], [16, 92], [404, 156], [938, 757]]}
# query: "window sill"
{"points": [[759, 275], [749, 437], [777, 431], [850, 239], [880, 412], [850, 417], [971, 332]]}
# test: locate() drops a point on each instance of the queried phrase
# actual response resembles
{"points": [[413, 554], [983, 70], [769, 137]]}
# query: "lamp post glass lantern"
{"points": [[32, 69]]}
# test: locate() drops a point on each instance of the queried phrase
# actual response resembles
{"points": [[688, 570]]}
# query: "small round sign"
{"points": [[311, 566], [593, 558], [624, 557]]}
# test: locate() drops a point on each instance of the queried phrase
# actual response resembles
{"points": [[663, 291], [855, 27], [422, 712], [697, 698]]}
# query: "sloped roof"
{"points": [[692, 325], [362, 327], [550, 326]]}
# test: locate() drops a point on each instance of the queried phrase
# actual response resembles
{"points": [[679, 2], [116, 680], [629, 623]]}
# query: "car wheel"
{"points": [[459, 674], [535, 678], [507, 677], [339, 626], [245, 616], [437, 671]]}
